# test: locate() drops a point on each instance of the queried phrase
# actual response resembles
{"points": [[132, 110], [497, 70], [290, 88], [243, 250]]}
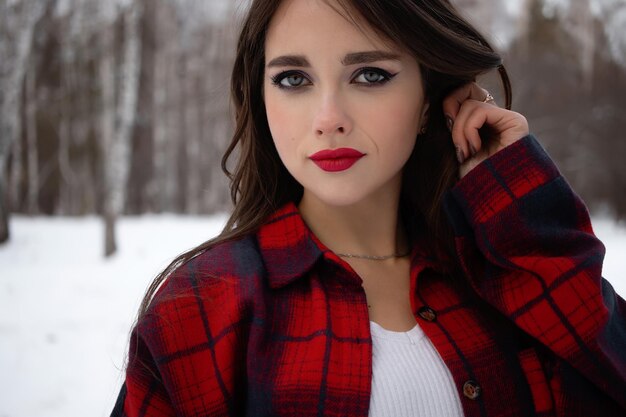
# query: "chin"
{"points": [[335, 197]]}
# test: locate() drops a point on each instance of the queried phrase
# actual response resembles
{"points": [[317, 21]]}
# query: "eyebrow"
{"points": [[349, 59]]}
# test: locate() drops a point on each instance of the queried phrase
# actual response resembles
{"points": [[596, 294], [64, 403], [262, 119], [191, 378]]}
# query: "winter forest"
{"points": [[122, 107]]}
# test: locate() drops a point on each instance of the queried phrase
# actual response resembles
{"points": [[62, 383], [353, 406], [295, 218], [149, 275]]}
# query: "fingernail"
{"points": [[449, 123], [472, 149], [459, 155]]}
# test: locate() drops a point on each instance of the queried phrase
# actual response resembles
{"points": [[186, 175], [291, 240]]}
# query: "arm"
{"points": [[186, 356], [526, 244], [143, 392]]}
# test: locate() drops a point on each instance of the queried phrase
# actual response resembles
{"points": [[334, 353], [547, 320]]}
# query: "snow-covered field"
{"points": [[65, 312]]}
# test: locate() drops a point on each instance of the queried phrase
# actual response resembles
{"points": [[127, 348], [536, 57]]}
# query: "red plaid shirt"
{"points": [[275, 324]]}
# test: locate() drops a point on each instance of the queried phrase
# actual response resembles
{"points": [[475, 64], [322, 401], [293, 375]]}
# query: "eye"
{"points": [[289, 80], [372, 76]]}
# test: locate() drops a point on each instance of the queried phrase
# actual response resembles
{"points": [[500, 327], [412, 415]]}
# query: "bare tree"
{"points": [[169, 135], [140, 191], [17, 20], [118, 117], [31, 140], [16, 177], [75, 90]]}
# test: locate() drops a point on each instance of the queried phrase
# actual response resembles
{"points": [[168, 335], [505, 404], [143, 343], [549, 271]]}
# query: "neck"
{"points": [[369, 227]]}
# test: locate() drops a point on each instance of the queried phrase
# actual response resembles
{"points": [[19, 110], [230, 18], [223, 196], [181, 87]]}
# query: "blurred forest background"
{"points": [[122, 106]]}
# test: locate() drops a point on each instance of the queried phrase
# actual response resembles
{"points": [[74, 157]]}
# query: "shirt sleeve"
{"points": [[143, 392], [186, 356], [525, 242]]}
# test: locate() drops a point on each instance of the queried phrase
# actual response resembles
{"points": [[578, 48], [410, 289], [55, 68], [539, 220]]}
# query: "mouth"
{"points": [[334, 160]]}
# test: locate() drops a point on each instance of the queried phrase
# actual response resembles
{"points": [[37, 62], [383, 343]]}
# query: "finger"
{"points": [[453, 101], [507, 126], [476, 119], [480, 94], [463, 139], [460, 143]]}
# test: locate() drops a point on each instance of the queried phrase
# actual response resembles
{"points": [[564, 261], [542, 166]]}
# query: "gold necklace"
{"points": [[374, 257]]}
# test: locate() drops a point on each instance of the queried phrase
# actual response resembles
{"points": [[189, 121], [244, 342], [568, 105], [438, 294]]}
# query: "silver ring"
{"points": [[489, 98]]}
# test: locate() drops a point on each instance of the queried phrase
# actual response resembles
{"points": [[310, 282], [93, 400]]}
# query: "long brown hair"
{"points": [[450, 53]]}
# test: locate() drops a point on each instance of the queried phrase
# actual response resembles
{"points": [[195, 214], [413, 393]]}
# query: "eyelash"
{"points": [[277, 79]]}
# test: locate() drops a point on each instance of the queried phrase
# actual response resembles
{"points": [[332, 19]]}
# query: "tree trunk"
{"points": [[19, 20], [191, 121], [110, 246], [31, 141], [156, 189], [17, 173], [139, 198], [4, 212], [107, 124], [122, 115]]}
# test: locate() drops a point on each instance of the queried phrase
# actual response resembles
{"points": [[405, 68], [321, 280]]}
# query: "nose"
{"points": [[331, 117]]}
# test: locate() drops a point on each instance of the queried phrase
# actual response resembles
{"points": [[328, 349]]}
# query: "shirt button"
{"points": [[471, 390], [427, 313]]}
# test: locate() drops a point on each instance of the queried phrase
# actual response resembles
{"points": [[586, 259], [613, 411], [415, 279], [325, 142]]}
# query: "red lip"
{"points": [[333, 160]]}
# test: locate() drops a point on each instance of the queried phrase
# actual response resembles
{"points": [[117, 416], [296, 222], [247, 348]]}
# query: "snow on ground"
{"points": [[65, 312]]}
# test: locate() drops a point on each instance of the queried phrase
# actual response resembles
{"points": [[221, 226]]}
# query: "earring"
{"points": [[423, 130]]}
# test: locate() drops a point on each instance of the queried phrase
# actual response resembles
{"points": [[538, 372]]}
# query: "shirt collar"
{"points": [[290, 249], [287, 246]]}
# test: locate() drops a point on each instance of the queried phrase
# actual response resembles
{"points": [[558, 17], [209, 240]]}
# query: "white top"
{"points": [[409, 377]]}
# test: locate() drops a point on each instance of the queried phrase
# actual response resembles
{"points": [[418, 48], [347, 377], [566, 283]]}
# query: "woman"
{"points": [[399, 244]]}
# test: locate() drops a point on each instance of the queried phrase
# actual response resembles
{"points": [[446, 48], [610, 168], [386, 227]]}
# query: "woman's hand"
{"points": [[470, 108]]}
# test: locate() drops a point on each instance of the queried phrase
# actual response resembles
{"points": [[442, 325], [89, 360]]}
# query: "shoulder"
{"points": [[229, 261], [195, 330], [210, 292]]}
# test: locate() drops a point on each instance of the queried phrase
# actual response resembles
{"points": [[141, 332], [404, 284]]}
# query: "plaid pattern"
{"points": [[277, 325]]}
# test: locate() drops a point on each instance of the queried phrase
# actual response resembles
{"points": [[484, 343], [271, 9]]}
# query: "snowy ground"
{"points": [[65, 312]]}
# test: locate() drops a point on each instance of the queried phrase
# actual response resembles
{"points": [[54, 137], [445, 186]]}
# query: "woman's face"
{"points": [[344, 108]]}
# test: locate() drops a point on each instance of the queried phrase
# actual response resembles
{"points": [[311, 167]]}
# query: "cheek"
{"points": [[406, 113], [278, 119], [281, 117], [397, 119], [283, 123]]}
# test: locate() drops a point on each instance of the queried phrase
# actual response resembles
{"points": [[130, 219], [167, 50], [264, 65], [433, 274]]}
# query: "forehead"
{"points": [[321, 25]]}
